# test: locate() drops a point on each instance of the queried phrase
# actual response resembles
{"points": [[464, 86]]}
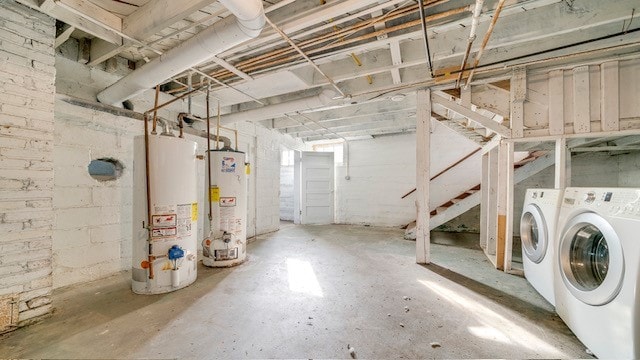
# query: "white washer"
{"points": [[537, 232], [598, 269]]}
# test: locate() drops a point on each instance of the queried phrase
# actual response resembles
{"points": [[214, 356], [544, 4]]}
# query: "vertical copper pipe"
{"points": [[148, 184], [208, 159], [155, 112], [218, 128]]}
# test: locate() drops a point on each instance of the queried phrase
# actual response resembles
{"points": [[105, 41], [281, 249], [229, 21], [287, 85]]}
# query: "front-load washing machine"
{"points": [[598, 269], [537, 232]]}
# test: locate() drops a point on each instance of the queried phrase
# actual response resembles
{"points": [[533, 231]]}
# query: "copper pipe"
{"points": [[485, 41], [245, 65], [217, 128], [155, 112], [155, 108], [148, 184], [208, 159], [305, 56]]}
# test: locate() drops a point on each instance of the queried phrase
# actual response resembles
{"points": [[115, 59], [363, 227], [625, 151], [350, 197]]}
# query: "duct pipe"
{"points": [[223, 35], [325, 98]]}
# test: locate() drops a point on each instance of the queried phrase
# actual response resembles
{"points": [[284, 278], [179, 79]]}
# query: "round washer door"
{"points": [[591, 259], [533, 233]]}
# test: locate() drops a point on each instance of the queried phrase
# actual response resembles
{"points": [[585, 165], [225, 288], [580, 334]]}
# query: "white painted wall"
{"points": [[26, 162], [383, 169]]}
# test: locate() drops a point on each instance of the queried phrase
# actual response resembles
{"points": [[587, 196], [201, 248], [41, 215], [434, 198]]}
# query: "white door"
{"points": [[316, 187]]}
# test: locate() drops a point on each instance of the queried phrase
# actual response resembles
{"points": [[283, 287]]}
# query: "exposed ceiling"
{"points": [[372, 50]]}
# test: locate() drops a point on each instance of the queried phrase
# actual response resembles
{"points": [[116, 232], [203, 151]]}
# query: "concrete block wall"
{"points": [[92, 234], [27, 75], [381, 171]]}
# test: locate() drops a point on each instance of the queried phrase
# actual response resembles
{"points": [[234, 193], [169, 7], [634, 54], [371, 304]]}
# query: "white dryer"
{"points": [[537, 232], [598, 269]]}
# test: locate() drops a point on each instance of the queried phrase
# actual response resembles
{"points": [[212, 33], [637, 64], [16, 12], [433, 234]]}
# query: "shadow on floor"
{"points": [[529, 310]]}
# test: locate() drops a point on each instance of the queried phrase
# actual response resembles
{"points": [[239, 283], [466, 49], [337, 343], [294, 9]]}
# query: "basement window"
{"points": [[105, 169]]}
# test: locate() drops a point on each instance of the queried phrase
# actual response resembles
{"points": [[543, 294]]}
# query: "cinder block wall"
{"points": [[27, 75]]}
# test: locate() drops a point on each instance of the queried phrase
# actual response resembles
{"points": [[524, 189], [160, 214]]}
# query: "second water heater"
{"points": [[225, 242]]}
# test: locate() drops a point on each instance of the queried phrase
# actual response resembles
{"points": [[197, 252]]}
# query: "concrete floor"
{"points": [[308, 292]]}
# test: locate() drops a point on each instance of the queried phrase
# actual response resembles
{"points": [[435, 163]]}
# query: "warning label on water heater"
{"points": [[227, 201], [160, 221], [228, 165], [184, 219]]}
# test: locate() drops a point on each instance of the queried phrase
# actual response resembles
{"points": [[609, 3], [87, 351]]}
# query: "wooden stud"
{"points": [[581, 114], [518, 96], [556, 102], [504, 244], [609, 92], [423, 164]]}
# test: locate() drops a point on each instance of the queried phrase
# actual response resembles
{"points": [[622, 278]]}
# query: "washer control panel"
{"points": [[621, 202]]}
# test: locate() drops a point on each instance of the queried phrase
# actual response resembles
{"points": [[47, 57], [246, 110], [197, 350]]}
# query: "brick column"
{"points": [[27, 92]]}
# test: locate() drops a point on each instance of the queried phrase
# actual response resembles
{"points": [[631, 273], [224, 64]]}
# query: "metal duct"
{"points": [[324, 99], [247, 24]]}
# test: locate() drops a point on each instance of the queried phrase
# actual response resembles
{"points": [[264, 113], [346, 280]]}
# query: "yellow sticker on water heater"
{"points": [[194, 212], [214, 194]]}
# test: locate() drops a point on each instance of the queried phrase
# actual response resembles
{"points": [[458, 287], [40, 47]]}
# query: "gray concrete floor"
{"points": [[308, 292]]}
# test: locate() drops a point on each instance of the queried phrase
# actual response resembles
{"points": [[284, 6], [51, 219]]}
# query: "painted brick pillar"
{"points": [[27, 91]]}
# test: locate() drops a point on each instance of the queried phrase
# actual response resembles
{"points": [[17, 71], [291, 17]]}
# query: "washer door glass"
{"points": [[591, 259], [533, 233]]}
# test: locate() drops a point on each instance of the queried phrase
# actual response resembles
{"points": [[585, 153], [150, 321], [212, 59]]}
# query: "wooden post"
{"points": [[484, 203], [563, 164], [423, 163], [492, 211], [505, 206]]}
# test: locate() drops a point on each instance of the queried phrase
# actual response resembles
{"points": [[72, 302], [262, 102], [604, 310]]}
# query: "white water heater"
{"points": [[164, 256], [225, 242]]}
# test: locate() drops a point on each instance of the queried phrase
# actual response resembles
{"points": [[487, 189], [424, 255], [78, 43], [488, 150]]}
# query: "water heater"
{"points": [[225, 242], [164, 256]]}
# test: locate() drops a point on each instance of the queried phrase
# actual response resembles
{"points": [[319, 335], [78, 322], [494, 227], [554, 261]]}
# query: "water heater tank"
{"points": [[164, 256], [225, 242]]}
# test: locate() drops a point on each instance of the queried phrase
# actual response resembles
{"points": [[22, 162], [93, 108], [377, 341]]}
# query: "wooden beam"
{"points": [[518, 96], [606, 148], [159, 14], [423, 164], [581, 114], [102, 50], [95, 12], [64, 36], [75, 18], [396, 60], [609, 96], [488, 123]]}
